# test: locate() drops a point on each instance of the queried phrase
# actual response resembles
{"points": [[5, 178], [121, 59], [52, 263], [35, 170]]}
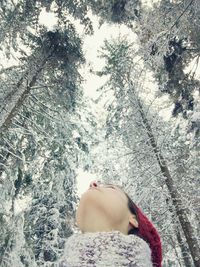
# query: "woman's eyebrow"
{"points": [[117, 187]]}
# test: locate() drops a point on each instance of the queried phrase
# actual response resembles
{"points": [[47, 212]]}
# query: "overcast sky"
{"points": [[92, 82], [90, 48]]}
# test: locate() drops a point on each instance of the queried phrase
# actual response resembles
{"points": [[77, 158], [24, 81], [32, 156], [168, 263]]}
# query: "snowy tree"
{"points": [[148, 140], [39, 153], [48, 128]]}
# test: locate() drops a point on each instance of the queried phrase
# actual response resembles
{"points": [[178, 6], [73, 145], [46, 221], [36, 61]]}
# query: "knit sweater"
{"points": [[105, 249]]}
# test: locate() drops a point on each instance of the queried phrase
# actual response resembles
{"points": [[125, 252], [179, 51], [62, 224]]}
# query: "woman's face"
{"points": [[104, 208]]}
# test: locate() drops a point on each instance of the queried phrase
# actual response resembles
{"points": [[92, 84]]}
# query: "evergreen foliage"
{"points": [[49, 129]]}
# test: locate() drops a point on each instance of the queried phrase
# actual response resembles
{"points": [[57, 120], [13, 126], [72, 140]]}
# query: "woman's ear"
{"points": [[133, 221]]}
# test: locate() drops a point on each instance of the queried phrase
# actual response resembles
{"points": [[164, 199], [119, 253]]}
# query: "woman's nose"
{"points": [[93, 184]]}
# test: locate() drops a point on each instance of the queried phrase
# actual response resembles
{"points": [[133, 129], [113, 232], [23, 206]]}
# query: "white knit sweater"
{"points": [[105, 249]]}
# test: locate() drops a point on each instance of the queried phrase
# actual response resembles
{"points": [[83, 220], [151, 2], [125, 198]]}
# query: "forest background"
{"points": [[122, 109]]}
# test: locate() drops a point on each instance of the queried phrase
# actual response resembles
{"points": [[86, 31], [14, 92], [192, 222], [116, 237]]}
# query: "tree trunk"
{"points": [[15, 99], [182, 212], [184, 249]]}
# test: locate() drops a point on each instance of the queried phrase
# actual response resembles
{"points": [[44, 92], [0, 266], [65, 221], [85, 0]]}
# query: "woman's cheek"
{"points": [[113, 209]]}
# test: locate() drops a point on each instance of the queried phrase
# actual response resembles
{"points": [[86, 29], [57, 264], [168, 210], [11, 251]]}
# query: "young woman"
{"points": [[114, 232]]}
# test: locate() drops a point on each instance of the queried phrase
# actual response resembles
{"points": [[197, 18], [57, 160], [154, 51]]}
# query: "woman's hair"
{"points": [[132, 231], [147, 232]]}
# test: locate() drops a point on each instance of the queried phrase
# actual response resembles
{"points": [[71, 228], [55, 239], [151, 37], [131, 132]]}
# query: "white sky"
{"points": [[91, 46]]}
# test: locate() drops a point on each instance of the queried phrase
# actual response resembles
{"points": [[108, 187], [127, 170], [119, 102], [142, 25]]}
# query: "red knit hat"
{"points": [[148, 232]]}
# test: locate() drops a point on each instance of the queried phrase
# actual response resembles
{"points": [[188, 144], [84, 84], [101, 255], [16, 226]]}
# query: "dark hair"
{"points": [[147, 232], [131, 204]]}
